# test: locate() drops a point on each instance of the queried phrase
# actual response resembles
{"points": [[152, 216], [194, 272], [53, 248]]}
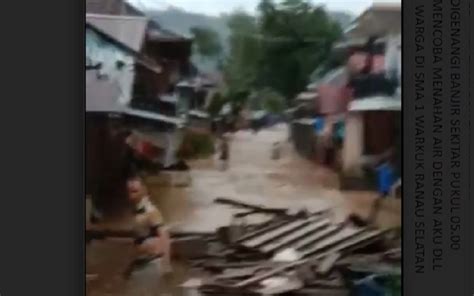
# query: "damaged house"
{"points": [[372, 124], [110, 68], [197, 93], [126, 104], [355, 122]]}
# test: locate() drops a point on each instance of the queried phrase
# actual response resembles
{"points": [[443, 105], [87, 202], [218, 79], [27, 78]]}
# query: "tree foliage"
{"points": [[267, 99], [207, 42], [216, 104], [241, 67], [280, 48]]}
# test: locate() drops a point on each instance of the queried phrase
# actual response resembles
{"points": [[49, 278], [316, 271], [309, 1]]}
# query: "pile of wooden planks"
{"points": [[247, 265]]}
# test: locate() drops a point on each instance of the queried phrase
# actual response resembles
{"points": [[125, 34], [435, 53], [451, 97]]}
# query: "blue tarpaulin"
{"points": [[318, 124], [386, 178]]}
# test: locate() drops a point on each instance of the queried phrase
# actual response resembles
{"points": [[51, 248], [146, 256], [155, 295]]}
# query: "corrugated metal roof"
{"points": [[337, 77], [307, 96], [199, 113], [157, 33], [258, 114], [305, 121], [378, 103], [140, 59], [154, 116], [351, 43], [123, 8], [377, 20], [226, 109], [111, 7], [185, 83], [156, 138], [169, 98], [129, 30], [313, 86]]}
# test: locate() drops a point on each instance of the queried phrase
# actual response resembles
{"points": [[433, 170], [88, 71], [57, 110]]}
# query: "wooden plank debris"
{"points": [[256, 208], [344, 234], [270, 226], [342, 247], [271, 235], [245, 267], [296, 235], [328, 262], [311, 239]]}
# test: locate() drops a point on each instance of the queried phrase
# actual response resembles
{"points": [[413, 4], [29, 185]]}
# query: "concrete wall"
{"points": [[353, 146]]}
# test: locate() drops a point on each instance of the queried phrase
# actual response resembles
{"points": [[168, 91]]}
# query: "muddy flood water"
{"points": [[253, 177]]}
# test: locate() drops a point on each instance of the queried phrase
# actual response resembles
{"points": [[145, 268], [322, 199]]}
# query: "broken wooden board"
{"points": [[287, 241], [277, 233], [280, 285], [257, 208], [348, 241], [328, 262], [345, 233], [235, 273], [264, 229], [313, 238], [321, 292]]}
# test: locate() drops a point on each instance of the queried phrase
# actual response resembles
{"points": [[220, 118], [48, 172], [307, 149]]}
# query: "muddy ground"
{"points": [[253, 177]]}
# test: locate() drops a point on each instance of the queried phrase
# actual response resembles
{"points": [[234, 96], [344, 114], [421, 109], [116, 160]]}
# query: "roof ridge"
{"points": [[140, 58], [115, 16]]}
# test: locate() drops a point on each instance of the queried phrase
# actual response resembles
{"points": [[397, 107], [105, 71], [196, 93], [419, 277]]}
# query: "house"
{"points": [[372, 129], [373, 118], [112, 64], [195, 95], [356, 108], [321, 106], [381, 19], [172, 51], [156, 94], [153, 93]]}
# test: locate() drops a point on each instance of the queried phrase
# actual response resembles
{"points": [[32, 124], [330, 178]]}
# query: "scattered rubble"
{"points": [[301, 254]]}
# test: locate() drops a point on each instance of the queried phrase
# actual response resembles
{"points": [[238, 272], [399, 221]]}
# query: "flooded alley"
{"points": [[254, 177], [239, 141]]}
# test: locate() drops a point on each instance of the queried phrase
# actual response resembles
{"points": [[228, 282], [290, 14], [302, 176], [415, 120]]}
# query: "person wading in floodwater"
{"points": [[224, 156], [276, 150], [152, 241]]}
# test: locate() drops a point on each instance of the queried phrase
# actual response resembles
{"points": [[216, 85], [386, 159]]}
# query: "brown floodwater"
{"points": [[252, 176]]}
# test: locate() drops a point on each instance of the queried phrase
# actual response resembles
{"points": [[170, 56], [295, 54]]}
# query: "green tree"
{"points": [[241, 67], [280, 48], [216, 104], [267, 99], [302, 35], [206, 42], [273, 102]]}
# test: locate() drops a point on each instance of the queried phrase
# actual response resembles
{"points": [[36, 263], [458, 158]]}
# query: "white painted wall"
{"points": [[100, 51]]}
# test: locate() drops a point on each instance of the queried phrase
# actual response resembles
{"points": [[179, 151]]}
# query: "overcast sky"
{"points": [[216, 7]]}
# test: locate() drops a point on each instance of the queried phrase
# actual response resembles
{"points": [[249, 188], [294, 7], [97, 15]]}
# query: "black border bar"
{"points": [[436, 161]]}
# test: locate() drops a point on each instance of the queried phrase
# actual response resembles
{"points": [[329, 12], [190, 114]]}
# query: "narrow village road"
{"points": [[252, 177]]}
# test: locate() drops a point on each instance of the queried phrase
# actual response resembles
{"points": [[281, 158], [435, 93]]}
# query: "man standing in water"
{"points": [[224, 156], [152, 240]]}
